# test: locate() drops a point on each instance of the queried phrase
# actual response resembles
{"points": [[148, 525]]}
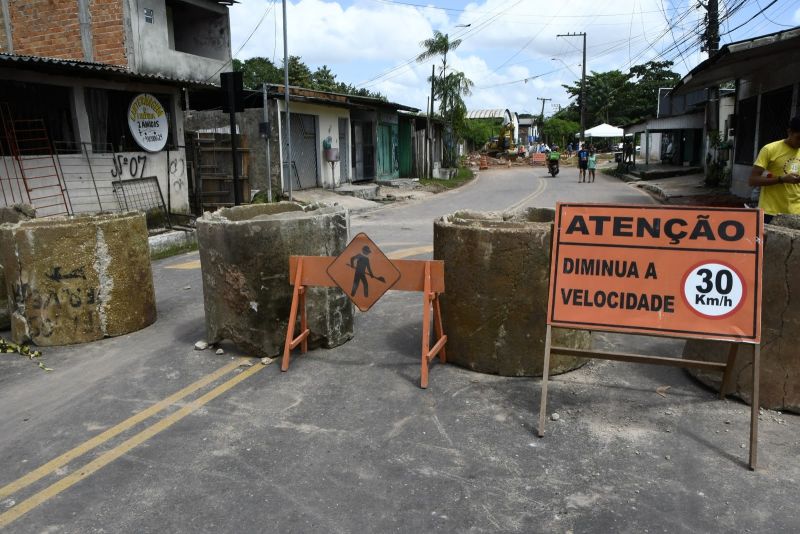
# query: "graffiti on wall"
{"points": [[131, 167], [69, 302], [177, 174]]}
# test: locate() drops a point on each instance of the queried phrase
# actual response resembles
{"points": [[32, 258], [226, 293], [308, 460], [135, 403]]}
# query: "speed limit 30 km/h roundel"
{"points": [[676, 271]]}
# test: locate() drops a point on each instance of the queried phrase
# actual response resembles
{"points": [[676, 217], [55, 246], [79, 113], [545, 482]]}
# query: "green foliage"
{"points": [[559, 131], [449, 88], [619, 98], [476, 132], [259, 70]]}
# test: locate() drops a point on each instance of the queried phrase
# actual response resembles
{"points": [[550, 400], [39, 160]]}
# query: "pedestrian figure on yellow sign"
{"points": [[360, 262]]}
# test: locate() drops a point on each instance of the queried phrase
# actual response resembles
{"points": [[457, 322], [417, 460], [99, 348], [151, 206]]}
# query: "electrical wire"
{"points": [[233, 56]]}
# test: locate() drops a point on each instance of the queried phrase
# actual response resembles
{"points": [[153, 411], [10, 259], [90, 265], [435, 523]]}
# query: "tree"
{"points": [[299, 73], [476, 132], [559, 131], [324, 80], [257, 70], [619, 98], [438, 45], [449, 88], [648, 78]]}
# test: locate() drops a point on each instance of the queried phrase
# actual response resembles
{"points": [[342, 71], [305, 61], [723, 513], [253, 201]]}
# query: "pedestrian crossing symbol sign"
{"points": [[363, 272]]}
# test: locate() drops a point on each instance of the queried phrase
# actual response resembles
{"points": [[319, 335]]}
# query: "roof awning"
{"points": [[743, 58]]}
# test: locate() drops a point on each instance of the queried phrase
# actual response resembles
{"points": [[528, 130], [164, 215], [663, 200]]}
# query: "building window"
{"points": [[108, 119], [745, 131], [198, 31], [46, 105], [776, 110]]}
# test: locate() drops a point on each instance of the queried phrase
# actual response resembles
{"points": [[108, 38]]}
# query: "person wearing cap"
{"points": [[776, 172]]}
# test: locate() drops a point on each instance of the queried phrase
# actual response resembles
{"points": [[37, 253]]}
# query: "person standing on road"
{"points": [[592, 164], [777, 172], [583, 163]]}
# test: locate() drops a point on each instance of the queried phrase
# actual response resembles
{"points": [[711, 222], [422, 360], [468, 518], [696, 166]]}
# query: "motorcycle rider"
{"points": [[553, 160]]}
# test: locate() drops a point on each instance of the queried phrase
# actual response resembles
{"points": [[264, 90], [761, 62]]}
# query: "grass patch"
{"points": [[174, 250], [463, 176]]}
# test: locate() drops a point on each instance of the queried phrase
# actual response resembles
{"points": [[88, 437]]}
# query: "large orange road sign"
{"points": [[676, 271], [363, 272]]}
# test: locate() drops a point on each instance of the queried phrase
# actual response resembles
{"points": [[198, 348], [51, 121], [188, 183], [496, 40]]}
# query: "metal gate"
{"points": [[303, 172], [344, 151]]}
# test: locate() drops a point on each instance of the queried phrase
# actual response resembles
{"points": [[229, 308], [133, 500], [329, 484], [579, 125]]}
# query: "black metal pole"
{"points": [[237, 193]]}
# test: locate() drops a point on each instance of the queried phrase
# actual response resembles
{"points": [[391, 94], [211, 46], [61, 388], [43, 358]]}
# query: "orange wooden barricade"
{"points": [[426, 276]]}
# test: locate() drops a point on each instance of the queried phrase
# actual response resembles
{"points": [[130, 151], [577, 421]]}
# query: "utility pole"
{"points": [[286, 95], [712, 47], [712, 26], [541, 116], [430, 125], [583, 79]]}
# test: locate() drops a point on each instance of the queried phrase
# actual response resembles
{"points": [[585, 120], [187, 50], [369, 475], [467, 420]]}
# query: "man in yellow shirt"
{"points": [[780, 192]]}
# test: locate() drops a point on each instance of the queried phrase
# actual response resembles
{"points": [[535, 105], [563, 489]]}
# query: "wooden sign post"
{"points": [[680, 272], [364, 273]]}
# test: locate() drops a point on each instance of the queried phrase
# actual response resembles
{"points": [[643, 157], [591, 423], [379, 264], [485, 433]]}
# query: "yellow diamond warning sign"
{"points": [[363, 272]]}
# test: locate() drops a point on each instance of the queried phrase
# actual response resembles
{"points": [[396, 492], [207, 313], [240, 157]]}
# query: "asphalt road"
{"points": [[141, 433]]}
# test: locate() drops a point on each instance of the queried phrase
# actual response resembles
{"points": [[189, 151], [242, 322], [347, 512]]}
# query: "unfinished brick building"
{"points": [[70, 70]]}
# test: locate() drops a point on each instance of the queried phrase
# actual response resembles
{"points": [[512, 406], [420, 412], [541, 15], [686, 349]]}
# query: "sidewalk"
{"points": [[689, 190]]}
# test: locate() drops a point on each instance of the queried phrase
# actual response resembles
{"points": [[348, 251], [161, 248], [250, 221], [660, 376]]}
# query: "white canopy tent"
{"points": [[603, 130]]}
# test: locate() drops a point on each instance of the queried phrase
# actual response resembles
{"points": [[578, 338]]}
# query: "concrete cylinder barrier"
{"points": [[77, 279], [11, 214], [497, 271], [244, 255], [780, 327]]}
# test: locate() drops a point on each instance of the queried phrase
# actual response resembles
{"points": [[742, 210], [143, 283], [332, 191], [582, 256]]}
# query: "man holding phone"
{"points": [[777, 172]]}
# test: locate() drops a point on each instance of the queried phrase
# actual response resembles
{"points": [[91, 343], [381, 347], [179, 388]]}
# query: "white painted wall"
{"points": [[327, 125], [90, 190], [174, 173]]}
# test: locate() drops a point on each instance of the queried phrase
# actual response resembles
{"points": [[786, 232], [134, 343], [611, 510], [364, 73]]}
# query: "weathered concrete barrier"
{"points": [[11, 214], [244, 254], [77, 279], [780, 327], [496, 277]]}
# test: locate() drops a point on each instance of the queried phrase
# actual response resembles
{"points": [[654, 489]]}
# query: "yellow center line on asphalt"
{"points": [[538, 191], [193, 264], [101, 438], [106, 458], [408, 252]]}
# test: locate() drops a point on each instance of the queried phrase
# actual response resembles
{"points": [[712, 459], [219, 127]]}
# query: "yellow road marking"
{"points": [[194, 264], [101, 438], [408, 252], [106, 458], [538, 191]]}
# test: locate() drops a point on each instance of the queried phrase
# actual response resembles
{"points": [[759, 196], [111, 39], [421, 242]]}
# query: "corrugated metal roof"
{"points": [[71, 66], [488, 114], [742, 58]]}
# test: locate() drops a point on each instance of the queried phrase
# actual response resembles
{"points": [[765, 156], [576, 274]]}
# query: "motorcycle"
{"points": [[552, 164]]}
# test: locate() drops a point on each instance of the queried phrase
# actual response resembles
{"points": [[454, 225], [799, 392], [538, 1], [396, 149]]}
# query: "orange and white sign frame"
{"points": [[675, 271]]}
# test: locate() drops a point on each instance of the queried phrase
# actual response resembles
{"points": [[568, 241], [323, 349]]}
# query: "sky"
{"points": [[510, 49]]}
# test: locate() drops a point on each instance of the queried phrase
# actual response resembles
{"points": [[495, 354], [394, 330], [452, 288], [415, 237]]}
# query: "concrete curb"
{"points": [[175, 238]]}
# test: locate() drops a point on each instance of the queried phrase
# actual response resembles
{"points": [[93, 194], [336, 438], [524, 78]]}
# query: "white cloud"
{"points": [[506, 42]]}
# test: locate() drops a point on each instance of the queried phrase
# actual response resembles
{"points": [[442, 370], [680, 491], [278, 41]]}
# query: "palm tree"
{"points": [[438, 45]]}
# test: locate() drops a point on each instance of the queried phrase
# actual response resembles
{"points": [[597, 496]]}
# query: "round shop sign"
{"points": [[147, 121]]}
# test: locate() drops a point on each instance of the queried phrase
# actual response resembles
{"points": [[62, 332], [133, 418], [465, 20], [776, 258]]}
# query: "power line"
{"points": [[233, 56], [751, 18]]}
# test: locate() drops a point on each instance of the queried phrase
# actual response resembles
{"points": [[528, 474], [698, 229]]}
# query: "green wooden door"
{"points": [[404, 149], [384, 150]]}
